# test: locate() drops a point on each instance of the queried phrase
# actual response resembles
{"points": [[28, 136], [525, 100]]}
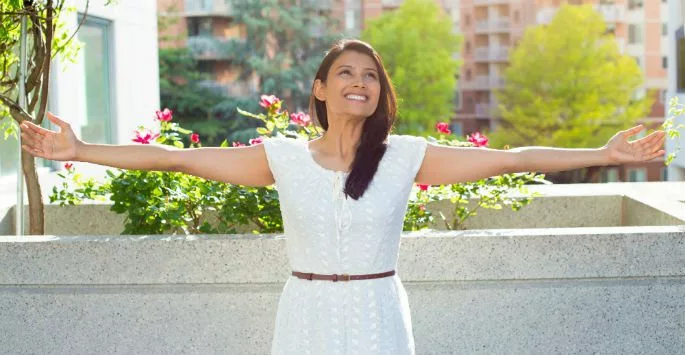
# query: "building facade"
{"points": [[491, 28], [111, 89], [676, 83]]}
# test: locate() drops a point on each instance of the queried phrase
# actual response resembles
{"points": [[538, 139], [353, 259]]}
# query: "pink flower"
{"points": [[145, 138], [164, 116], [268, 100], [478, 139], [423, 187], [195, 138], [238, 144], [68, 166], [257, 140], [443, 127], [300, 118], [422, 207]]}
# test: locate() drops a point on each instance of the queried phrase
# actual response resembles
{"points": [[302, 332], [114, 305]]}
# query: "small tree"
{"points": [[568, 88], [285, 40], [46, 38], [418, 48]]}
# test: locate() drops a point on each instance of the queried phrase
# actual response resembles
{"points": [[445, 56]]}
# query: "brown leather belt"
{"points": [[341, 277]]}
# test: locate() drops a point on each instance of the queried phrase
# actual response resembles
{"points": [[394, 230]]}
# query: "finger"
{"points": [[29, 126], [633, 131], [33, 151], [28, 139], [656, 154], [650, 139], [56, 120]]}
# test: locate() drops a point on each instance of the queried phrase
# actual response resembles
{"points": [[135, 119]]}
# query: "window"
{"points": [[468, 47], [609, 175], [680, 60], [634, 34], [664, 29], [634, 4], [97, 124], [637, 174], [663, 174], [457, 99], [467, 20], [468, 74], [664, 62], [457, 128], [637, 60], [352, 15], [516, 16], [199, 26]]}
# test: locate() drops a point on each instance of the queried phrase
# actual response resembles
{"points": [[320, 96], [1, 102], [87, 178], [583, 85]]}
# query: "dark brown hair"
{"points": [[376, 127]]}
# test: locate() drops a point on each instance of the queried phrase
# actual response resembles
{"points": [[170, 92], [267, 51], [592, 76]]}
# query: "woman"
{"points": [[343, 198]]}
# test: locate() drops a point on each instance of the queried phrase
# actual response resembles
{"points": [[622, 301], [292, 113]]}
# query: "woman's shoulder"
{"points": [[405, 140]]}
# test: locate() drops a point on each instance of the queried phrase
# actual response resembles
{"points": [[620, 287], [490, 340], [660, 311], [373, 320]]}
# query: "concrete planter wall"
{"points": [[608, 290]]}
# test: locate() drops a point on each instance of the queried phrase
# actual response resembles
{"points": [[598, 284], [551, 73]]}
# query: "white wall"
{"points": [[676, 171], [134, 79]]}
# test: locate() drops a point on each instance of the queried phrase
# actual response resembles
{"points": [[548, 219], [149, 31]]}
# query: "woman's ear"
{"points": [[319, 90]]}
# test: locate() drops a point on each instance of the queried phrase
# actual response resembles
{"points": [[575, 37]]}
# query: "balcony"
{"points": [[485, 109], [611, 13], [491, 2], [204, 8], [234, 89], [214, 48], [500, 24], [391, 3], [491, 54]]}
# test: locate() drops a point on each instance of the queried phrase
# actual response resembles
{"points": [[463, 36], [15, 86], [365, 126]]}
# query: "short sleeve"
{"points": [[414, 149], [272, 145]]}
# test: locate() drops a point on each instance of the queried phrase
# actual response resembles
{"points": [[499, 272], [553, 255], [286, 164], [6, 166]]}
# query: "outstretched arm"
{"points": [[243, 165], [451, 165]]}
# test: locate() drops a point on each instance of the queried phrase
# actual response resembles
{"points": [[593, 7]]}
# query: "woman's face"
{"points": [[352, 87]]}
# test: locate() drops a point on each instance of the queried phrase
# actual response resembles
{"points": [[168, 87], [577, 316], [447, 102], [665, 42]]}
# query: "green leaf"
{"points": [[224, 144], [178, 144]]}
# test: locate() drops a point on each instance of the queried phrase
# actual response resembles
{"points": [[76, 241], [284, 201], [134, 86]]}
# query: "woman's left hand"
{"points": [[618, 150]]}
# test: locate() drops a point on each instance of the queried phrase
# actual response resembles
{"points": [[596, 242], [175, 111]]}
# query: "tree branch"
{"points": [[16, 111], [85, 14], [46, 64]]}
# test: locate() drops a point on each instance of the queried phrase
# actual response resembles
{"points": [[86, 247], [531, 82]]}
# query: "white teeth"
{"points": [[356, 97]]}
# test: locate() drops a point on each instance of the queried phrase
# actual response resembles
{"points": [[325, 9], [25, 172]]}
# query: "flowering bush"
{"points": [[160, 202], [466, 198]]}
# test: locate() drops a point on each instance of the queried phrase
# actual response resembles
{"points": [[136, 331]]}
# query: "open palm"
{"points": [[48, 144], [620, 150]]}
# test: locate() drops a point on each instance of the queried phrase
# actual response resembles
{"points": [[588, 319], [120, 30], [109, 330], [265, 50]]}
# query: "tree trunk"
{"points": [[36, 208]]}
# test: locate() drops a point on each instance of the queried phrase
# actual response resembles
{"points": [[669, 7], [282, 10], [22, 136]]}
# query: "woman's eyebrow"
{"points": [[351, 67]]}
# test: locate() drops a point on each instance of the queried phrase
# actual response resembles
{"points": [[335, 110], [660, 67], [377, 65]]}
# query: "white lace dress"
{"points": [[328, 234]]}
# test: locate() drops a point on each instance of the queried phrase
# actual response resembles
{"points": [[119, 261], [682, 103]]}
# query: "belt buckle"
{"points": [[344, 277]]}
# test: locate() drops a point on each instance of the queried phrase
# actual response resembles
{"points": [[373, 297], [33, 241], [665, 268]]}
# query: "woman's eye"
{"points": [[344, 72], [371, 75]]}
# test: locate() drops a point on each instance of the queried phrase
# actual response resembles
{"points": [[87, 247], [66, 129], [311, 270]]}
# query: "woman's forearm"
{"points": [[128, 156], [548, 159]]}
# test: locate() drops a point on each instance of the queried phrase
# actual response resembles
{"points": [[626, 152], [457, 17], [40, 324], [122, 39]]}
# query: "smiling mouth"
{"points": [[358, 98]]}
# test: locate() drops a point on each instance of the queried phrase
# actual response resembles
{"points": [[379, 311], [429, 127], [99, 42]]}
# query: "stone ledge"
{"points": [[559, 253]]}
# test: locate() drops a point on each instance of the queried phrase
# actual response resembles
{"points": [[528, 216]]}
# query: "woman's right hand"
{"points": [[48, 144]]}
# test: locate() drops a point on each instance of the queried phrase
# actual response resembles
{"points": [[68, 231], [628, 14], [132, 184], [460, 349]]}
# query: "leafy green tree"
{"points": [[47, 37], [568, 88], [284, 43], [417, 46]]}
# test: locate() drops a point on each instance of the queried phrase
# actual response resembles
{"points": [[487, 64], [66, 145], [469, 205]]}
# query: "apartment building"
{"points": [[205, 27], [676, 82], [491, 28]]}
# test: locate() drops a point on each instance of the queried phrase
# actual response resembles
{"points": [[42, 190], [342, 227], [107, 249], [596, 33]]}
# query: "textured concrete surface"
{"points": [[535, 291], [562, 206]]}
